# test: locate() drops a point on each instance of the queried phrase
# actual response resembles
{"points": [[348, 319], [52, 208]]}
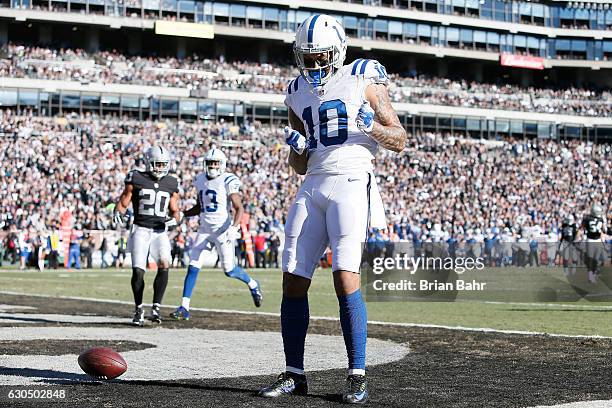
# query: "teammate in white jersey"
{"points": [[217, 190], [339, 115]]}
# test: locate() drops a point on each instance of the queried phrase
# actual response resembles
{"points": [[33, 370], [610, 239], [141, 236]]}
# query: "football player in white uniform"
{"points": [[339, 115], [153, 194], [217, 189]]}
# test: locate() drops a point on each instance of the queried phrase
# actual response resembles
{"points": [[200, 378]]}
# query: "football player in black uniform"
{"points": [[594, 225], [568, 251], [155, 201]]}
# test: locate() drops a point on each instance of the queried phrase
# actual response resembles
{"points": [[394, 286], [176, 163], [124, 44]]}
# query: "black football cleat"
{"points": [[155, 315], [138, 319], [257, 295], [286, 384], [356, 390]]}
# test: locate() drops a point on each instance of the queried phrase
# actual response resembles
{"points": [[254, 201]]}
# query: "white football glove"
{"points": [[170, 223], [233, 233], [365, 118], [117, 218], [295, 139]]}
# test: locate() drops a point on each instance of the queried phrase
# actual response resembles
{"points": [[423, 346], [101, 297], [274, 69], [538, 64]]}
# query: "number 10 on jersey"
{"points": [[325, 130]]}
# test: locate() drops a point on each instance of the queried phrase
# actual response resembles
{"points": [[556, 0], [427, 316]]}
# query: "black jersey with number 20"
{"points": [[150, 198]]}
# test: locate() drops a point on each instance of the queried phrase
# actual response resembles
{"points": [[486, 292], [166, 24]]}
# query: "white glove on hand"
{"points": [[117, 218], [365, 118], [170, 223], [295, 139], [233, 233]]}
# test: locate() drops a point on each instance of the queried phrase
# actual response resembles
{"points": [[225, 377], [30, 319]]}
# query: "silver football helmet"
{"points": [[158, 161], [215, 162], [597, 210]]}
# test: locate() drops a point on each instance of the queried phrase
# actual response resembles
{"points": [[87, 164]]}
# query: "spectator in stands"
{"points": [[260, 249], [74, 251]]}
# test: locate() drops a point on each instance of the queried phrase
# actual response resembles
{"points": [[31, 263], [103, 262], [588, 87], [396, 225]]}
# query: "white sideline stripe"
{"points": [[326, 318]]}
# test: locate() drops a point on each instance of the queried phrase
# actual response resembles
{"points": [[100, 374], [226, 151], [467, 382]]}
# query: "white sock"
{"points": [[356, 371], [252, 284], [294, 370], [185, 302]]}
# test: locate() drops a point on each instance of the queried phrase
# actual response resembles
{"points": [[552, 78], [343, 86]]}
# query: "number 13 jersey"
{"points": [[213, 198], [335, 144], [150, 198]]}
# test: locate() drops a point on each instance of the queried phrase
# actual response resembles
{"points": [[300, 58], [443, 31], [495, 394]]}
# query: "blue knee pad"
{"points": [[238, 273], [190, 280]]}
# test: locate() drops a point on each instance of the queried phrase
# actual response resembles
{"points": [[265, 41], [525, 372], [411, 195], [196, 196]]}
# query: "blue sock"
{"points": [[190, 280], [294, 324], [239, 273], [354, 322]]}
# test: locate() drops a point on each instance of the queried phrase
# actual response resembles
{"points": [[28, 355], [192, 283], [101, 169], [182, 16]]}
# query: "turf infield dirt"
{"points": [[446, 368]]}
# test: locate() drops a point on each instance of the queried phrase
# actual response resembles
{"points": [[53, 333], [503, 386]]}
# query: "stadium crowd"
{"points": [[73, 167], [193, 72]]}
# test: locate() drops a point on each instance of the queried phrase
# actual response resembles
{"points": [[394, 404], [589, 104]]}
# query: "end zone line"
{"points": [[335, 319]]}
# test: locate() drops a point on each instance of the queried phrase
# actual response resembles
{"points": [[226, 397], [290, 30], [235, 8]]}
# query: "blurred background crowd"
{"points": [[194, 72], [70, 170]]}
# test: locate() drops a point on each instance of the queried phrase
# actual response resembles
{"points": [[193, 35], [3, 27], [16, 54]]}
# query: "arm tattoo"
{"points": [[387, 130]]}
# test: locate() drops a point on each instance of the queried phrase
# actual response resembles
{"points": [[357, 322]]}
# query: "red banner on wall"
{"points": [[521, 61]]}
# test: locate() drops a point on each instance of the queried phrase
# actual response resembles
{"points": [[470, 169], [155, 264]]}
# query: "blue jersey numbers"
{"points": [[212, 199], [330, 132]]}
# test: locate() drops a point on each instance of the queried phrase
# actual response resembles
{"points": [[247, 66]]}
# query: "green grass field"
{"points": [[214, 290]]}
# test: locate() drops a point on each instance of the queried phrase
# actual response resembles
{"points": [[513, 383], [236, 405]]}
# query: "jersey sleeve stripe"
{"points": [[355, 65], [363, 67], [311, 27], [289, 88], [295, 84]]}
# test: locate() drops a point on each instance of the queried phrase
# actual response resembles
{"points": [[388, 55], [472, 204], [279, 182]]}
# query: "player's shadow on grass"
{"points": [[45, 375], [559, 310]]}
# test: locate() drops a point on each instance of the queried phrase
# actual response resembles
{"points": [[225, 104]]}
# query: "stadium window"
{"points": [[466, 38], [301, 16], [271, 18], [110, 104], [531, 129], [538, 14], [493, 42], [486, 9], [8, 98], [608, 20], [169, 107], [381, 29], [206, 109], [28, 98], [458, 7], [129, 105], [607, 50], [524, 11], [472, 8], [502, 126], [499, 8], [429, 123], [395, 31], [424, 33], [90, 101], [480, 40], [459, 124], [516, 127], [410, 32], [188, 109], [452, 37], [431, 6], [444, 123], [544, 130], [255, 17], [262, 111], [351, 25], [417, 5], [186, 10], [221, 13], [238, 15]]}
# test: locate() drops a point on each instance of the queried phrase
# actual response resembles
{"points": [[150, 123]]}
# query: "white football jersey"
{"points": [[213, 197], [335, 144]]}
